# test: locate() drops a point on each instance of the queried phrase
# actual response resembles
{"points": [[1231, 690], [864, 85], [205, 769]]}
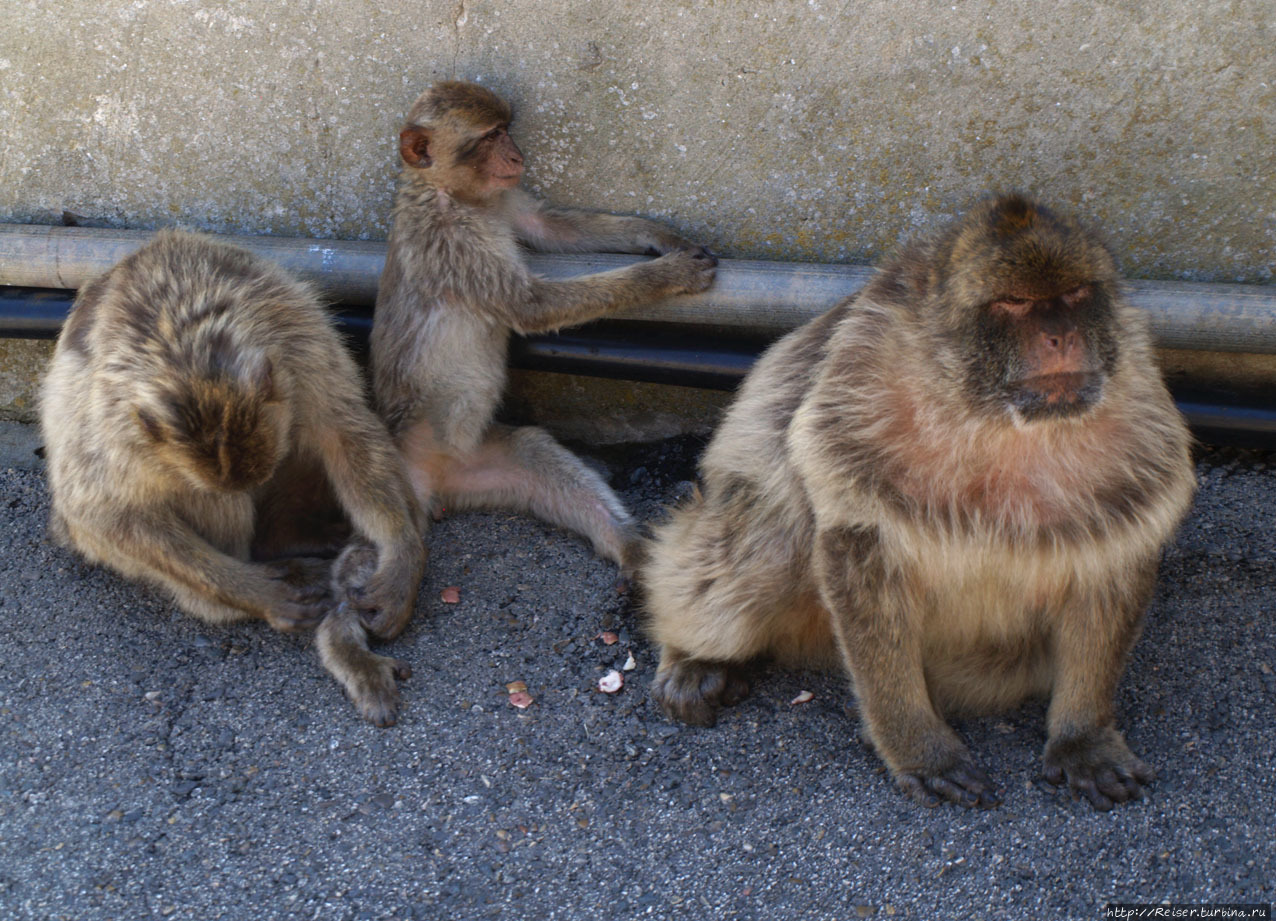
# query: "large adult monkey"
{"points": [[956, 485], [456, 284], [199, 398]]}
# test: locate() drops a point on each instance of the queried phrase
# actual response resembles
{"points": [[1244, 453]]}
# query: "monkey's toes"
{"points": [[965, 784], [1099, 767], [375, 693], [693, 691]]}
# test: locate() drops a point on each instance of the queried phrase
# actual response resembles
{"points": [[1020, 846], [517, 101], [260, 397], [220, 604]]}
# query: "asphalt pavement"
{"points": [[152, 766]]}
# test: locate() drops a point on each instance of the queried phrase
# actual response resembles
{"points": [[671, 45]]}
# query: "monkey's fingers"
{"points": [[290, 617], [964, 784], [385, 605], [704, 254], [388, 622], [306, 578]]}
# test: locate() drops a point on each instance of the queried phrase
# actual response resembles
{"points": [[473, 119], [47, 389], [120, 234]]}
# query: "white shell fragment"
{"points": [[802, 698], [630, 664], [611, 682]]}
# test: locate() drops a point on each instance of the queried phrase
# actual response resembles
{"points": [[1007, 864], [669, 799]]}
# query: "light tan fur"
{"points": [[192, 387], [865, 503], [455, 286]]}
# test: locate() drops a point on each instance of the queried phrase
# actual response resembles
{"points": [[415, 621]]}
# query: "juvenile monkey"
{"points": [[456, 284], [193, 387], [955, 484]]}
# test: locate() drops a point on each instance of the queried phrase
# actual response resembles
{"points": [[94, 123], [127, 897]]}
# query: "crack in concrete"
{"points": [[459, 18]]}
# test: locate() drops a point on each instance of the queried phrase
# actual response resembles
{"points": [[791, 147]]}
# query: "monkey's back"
{"points": [[155, 317]]}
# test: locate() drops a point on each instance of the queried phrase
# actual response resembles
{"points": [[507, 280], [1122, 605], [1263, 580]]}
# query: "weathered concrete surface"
{"points": [[786, 130], [22, 365], [792, 130]]}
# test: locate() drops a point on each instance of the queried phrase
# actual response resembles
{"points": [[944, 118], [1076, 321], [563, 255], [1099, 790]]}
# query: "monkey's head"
{"points": [[457, 138], [224, 428], [1026, 304]]}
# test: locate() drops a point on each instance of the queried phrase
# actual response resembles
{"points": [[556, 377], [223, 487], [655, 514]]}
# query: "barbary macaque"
{"points": [[456, 284], [956, 485], [198, 397]]}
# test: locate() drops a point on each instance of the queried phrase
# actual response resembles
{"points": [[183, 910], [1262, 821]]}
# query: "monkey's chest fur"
{"points": [[985, 616]]}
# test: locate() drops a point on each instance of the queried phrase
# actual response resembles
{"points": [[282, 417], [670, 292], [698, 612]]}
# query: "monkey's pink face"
{"points": [[500, 160]]}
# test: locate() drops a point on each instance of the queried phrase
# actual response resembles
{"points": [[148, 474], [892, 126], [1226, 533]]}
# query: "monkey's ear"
{"points": [[414, 146]]}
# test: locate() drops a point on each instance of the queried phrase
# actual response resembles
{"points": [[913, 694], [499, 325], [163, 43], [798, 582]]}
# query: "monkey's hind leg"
{"points": [[525, 469], [707, 618], [369, 679]]}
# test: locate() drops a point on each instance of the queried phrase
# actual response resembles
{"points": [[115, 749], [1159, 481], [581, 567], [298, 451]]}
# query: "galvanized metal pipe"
{"points": [[762, 297]]}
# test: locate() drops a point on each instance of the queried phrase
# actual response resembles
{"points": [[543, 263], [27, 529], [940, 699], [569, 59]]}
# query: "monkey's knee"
{"points": [[693, 691], [369, 680]]}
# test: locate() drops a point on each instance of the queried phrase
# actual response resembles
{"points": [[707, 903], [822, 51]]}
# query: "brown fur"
{"points": [[455, 285], [199, 395], [898, 485]]}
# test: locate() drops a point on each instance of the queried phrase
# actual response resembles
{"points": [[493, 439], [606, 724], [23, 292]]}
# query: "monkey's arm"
{"points": [[568, 230], [551, 305], [876, 630], [208, 583], [1091, 641], [367, 475]]}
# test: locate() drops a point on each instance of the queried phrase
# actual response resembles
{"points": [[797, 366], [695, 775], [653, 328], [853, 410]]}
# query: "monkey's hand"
{"points": [[383, 593], [300, 596], [685, 271], [1098, 765]]}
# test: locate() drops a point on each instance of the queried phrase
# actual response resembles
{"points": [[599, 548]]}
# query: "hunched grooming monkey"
{"points": [[956, 484], [454, 286], [195, 384]]}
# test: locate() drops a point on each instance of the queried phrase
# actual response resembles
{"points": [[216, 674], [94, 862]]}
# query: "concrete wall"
{"points": [[787, 130]]}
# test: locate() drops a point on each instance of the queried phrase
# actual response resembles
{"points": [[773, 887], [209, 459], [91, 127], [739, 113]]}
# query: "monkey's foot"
{"points": [[1099, 766], [963, 783], [692, 691], [369, 680], [373, 688]]}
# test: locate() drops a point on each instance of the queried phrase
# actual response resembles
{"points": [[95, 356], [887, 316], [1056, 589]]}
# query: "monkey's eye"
{"points": [[1077, 295], [1011, 306], [493, 134]]}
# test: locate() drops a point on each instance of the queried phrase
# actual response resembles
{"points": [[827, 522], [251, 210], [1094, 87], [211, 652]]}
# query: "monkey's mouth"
{"points": [[1063, 394]]}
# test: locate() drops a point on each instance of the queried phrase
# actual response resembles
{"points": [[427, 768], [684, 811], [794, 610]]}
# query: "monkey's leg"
{"points": [[525, 469], [1083, 744], [368, 679], [707, 598], [877, 630], [206, 582]]}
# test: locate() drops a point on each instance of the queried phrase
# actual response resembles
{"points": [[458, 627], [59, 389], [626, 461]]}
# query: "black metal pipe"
{"points": [[663, 354]]}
